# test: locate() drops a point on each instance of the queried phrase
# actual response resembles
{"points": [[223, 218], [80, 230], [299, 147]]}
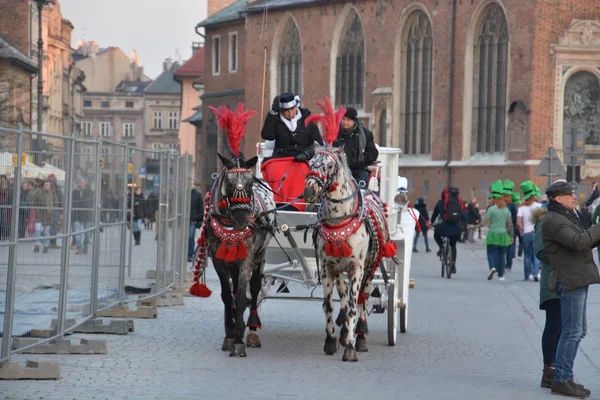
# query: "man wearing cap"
{"points": [[527, 230], [508, 186], [569, 249], [286, 125], [359, 146]]}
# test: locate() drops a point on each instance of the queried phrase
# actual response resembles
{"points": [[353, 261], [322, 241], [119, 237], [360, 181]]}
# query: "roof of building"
{"points": [[165, 83], [193, 68], [79, 57], [136, 87], [228, 14], [275, 4], [194, 119], [15, 56]]}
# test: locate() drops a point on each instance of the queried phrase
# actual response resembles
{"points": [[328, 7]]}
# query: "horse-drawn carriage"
{"points": [[338, 234]]}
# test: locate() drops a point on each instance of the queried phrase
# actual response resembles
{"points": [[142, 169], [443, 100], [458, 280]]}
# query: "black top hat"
{"points": [[287, 100]]}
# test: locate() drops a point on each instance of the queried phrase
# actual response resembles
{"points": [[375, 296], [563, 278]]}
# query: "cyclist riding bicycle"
{"points": [[449, 209]]}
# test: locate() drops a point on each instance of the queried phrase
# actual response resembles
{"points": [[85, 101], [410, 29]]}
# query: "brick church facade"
{"points": [[525, 76]]}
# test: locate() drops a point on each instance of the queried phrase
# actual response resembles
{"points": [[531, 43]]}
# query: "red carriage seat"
{"points": [[286, 178]]}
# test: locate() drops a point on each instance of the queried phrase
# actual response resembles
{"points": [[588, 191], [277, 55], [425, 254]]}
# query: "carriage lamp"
{"points": [[401, 200]]}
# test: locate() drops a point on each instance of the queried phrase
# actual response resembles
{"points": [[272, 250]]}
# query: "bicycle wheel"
{"points": [[443, 260], [448, 263]]}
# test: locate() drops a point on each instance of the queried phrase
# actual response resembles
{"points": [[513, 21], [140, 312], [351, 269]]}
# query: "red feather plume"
{"points": [[234, 125], [331, 120]]}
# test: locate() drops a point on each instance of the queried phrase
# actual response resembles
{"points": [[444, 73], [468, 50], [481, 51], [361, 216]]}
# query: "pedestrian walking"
{"points": [[531, 264], [508, 186], [516, 198], [82, 213], [499, 236], [424, 224], [568, 247], [139, 213]]}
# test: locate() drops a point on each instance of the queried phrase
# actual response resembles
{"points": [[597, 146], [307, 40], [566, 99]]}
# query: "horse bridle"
{"points": [[240, 200], [325, 182]]}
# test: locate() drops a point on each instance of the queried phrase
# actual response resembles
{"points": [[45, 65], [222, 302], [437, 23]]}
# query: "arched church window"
{"points": [[349, 79], [290, 60], [417, 64], [490, 65]]}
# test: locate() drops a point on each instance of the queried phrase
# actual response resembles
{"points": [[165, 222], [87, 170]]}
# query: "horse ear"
{"points": [[226, 162], [340, 148], [251, 162]]}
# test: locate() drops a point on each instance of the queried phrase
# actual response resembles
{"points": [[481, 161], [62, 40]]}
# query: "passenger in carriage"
{"points": [[359, 146], [285, 124]]}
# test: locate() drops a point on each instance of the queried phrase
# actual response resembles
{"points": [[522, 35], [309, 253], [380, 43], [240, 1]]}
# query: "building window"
{"points": [[383, 127], [128, 129], [129, 104], [417, 64], [350, 64], [105, 155], [86, 128], [156, 147], [87, 154], [87, 103], [105, 129], [490, 65], [173, 119], [157, 119], [105, 104], [216, 55], [290, 61], [233, 52]]}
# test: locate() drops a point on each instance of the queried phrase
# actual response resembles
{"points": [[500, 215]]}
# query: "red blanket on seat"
{"points": [[286, 178]]}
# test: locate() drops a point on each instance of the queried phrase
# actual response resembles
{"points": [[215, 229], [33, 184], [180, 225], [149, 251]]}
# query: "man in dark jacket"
{"points": [[286, 125], [82, 214], [569, 249], [359, 146], [450, 229], [196, 218]]}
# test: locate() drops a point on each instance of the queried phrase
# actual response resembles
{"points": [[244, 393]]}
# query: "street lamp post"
{"points": [[40, 43]]}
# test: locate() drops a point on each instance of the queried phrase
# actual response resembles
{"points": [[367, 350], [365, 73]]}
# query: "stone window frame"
{"points": [[216, 55], [173, 120], [233, 52], [86, 128], [128, 129], [275, 62], [340, 28], [102, 132], [469, 139], [417, 103], [157, 120]]}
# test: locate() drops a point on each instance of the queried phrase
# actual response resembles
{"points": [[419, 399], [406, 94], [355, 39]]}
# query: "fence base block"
{"points": [[164, 300], [183, 290], [151, 274], [61, 346], [115, 327], [38, 370], [125, 312]]}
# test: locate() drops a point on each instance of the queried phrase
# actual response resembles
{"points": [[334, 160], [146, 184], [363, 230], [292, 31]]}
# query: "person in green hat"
{"points": [[516, 198], [527, 230], [508, 186], [500, 235]]}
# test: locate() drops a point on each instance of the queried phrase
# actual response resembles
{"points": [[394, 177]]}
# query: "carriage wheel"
{"points": [[392, 307], [403, 318]]}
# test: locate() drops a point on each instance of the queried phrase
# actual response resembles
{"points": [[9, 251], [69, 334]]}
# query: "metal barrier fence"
{"points": [[85, 225]]}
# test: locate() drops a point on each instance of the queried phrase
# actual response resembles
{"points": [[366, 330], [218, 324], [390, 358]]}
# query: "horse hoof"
{"points": [[227, 344], [350, 354], [361, 344], [252, 340], [342, 317], [331, 346], [238, 350]]}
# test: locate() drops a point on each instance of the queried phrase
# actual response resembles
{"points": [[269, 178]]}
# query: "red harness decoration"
{"points": [[233, 246], [336, 236], [200, 289]]}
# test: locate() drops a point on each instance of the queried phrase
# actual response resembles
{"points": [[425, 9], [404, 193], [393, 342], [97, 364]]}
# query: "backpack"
{"points": [[452, 205]]}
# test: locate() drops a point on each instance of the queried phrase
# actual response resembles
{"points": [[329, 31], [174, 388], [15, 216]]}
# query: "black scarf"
{"points": [[570, 214], [362, 138]]}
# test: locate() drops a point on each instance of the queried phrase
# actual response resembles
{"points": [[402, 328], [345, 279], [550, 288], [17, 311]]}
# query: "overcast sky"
{"points": [[155, 29]]}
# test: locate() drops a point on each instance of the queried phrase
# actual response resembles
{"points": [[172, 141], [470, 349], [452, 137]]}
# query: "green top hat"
{"points": [[496, 189], [516, 198], [508, 186], [538, 193], [529, 189]]}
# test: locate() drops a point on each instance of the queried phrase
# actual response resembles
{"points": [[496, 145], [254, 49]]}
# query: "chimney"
{"points": [[215, 6], [140, 74], [167, 64], [196, 46]]}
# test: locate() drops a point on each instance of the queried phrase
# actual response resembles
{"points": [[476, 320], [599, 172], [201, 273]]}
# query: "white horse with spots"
{"points": [[353, 238]]}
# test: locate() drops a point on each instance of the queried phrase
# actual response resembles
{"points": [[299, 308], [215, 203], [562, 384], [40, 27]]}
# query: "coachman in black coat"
{"points": [[286, 125]]}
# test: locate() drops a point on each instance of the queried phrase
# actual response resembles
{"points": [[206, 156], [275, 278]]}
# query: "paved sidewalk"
{"points": [[468, 338]]}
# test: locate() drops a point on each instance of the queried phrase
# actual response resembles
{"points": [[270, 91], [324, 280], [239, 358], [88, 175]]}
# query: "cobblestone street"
{"points": [[467, 338]]}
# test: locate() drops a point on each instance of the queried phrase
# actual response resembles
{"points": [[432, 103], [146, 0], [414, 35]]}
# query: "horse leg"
{"points": [[241, 302], [343, 315], [252, 340], [227, 299], [362, 329], [355, 277], [331, 344]]}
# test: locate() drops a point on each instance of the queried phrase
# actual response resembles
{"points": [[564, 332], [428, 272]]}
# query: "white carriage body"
{"points": [[303, 266]]}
